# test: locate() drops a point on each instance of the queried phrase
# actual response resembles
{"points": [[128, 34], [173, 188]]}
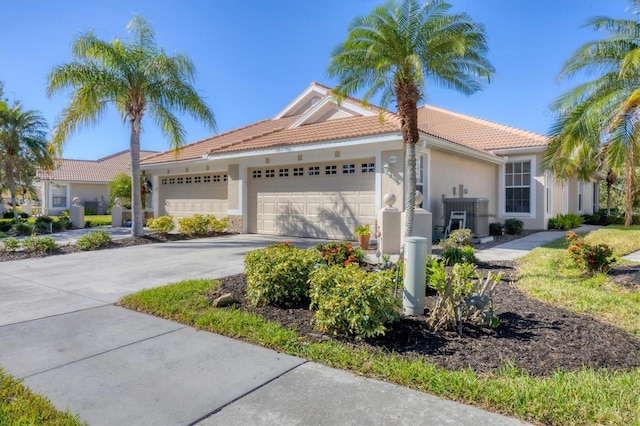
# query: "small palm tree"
{"points": [[138, 78], [23, 146], [598, 122], [398, 47]]}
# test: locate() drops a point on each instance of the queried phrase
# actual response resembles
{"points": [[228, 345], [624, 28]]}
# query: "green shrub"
{"points": [[202, 225], [496, 229], [452, 255], [565, 221], [22, 228], [11, 244], [463, 295], [39, 244], [340, 253], [64, 222], [2, 234], [349, 300], [459, 237], [513, 226], [89, 211], [278, 274], [43, 224], [161, 225], [94, 240], [5, 225], [591, 258]]}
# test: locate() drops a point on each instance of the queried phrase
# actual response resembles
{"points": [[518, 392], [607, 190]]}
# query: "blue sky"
{"points": [[254, 56]]}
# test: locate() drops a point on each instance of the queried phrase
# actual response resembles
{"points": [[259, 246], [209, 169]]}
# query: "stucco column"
{"points": [[389, 221], [155, 198]]}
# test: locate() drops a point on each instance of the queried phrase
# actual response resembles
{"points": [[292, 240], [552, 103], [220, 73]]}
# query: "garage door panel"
{"points": [[197, 194], [323, 206]]}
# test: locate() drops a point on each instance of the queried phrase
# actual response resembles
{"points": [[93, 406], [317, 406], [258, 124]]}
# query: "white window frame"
{"points": [[532, 188], [595, 200], [548, 188], [59, 186]]}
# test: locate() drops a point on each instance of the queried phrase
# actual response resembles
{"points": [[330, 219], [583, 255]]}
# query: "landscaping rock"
{"points": [[226, 299]]}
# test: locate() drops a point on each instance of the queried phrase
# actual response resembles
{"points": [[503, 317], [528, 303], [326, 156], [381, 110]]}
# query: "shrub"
{"points": [[513, 226], [496, 229], [89, 211], [64, 222], [349, 300], [591, 258], [459, 237], [161, 225], [39, 244], [22, 228], [5, 225], [565, 221], [278, 274], [43, 224], [463, 295], [201, 225], [11, 244], [94, 240], [340, 253], [452, 255], [2, 234]]}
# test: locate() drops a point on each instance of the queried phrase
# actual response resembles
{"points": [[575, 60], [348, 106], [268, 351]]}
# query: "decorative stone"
{"points": [[226, 299], [389, 199], [419, 198], [118, 201], [75, 201]]}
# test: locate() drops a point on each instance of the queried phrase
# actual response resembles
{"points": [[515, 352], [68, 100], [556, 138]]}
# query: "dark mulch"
{"points": [[535, 336], [532, 335]]}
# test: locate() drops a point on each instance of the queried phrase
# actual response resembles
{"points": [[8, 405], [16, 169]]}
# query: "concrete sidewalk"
{"points": [[61, 333]]}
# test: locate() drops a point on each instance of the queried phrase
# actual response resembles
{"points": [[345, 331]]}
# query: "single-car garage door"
{"points": [[184, 196], [317, 200]]}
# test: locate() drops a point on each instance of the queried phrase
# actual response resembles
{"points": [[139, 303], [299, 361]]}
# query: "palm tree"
{"points": [[598, 121], [398, 47], [23, 146], [138, 78]]}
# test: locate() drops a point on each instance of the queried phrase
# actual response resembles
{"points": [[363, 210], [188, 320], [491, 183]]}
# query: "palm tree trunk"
{"points": [[408, 96], [12, 186], [629, 187], [136, 200]]}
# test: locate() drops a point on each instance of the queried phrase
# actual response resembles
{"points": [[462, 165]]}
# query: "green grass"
{"points": [[19, 406], [98, 220], [582, 397], [549, 274]]}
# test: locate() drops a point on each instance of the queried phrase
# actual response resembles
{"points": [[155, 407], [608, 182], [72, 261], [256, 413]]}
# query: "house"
{"points": [[321, 167], [85, 179]]}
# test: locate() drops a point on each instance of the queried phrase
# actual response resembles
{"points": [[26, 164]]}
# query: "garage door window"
{"points": [[269, 173], [257, 174], [348, 169], [368, 167], [298, 171], [330, 170], [314, 171], [283, 173]]}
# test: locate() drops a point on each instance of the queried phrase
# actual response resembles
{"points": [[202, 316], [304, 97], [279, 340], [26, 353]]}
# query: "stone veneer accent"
{"points": [[235, 224]]}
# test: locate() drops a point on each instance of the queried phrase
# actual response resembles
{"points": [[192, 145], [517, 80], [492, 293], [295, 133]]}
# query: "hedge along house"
{"points": [[319, 168], [86, 179]]}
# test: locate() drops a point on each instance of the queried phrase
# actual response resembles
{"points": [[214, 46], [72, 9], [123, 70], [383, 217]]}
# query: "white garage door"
{"points": [[323, 200], [184, 196]]}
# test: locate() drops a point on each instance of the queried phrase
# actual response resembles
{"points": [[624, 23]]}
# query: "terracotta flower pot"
{"points": [[363, 241]]}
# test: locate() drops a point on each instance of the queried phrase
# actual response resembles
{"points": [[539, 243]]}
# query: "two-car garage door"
{"points": [[316, 200]]}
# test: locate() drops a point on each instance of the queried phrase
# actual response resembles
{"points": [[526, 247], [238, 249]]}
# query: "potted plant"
{"points": [[363, 235]]}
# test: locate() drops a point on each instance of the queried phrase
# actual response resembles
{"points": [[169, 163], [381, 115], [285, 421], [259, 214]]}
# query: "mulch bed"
{"points": [[537, 337], [534, 336]]}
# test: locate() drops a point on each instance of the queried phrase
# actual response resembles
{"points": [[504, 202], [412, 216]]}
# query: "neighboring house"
{"points": [[86, 179], [321, 167]]}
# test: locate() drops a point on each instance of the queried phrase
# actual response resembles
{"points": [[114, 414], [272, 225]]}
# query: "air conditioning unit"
{"points": [[477, 213]]}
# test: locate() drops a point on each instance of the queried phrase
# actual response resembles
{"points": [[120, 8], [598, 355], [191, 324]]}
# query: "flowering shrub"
{"points": [[340, 253], [592, 258], [161, 225]]}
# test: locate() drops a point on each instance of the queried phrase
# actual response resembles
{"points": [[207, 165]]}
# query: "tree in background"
{"points": [[598, 122], [120, 187], [138, 78], [396, 49], [23, 147]]}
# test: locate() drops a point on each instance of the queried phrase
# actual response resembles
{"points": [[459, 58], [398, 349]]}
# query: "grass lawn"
{"points": [[579, 397], [548, 274], [18, 406]]}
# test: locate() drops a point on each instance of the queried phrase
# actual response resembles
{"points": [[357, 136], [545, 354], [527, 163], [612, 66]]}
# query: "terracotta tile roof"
{"points": [[460, 129], [474, 132], [223, 141], [102, 170]]}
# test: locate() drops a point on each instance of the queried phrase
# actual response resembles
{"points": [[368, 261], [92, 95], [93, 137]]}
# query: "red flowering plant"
{"points": [[592, 258], [340, 253]]}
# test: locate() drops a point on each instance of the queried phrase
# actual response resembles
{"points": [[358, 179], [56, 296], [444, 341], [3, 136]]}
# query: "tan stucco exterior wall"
{"points": [[233, 187], [447, 171]]}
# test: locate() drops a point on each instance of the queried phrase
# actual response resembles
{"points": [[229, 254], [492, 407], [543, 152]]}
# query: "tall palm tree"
{"points": [[598, 121], [398, 47], [138, 78], [23, 146]]}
